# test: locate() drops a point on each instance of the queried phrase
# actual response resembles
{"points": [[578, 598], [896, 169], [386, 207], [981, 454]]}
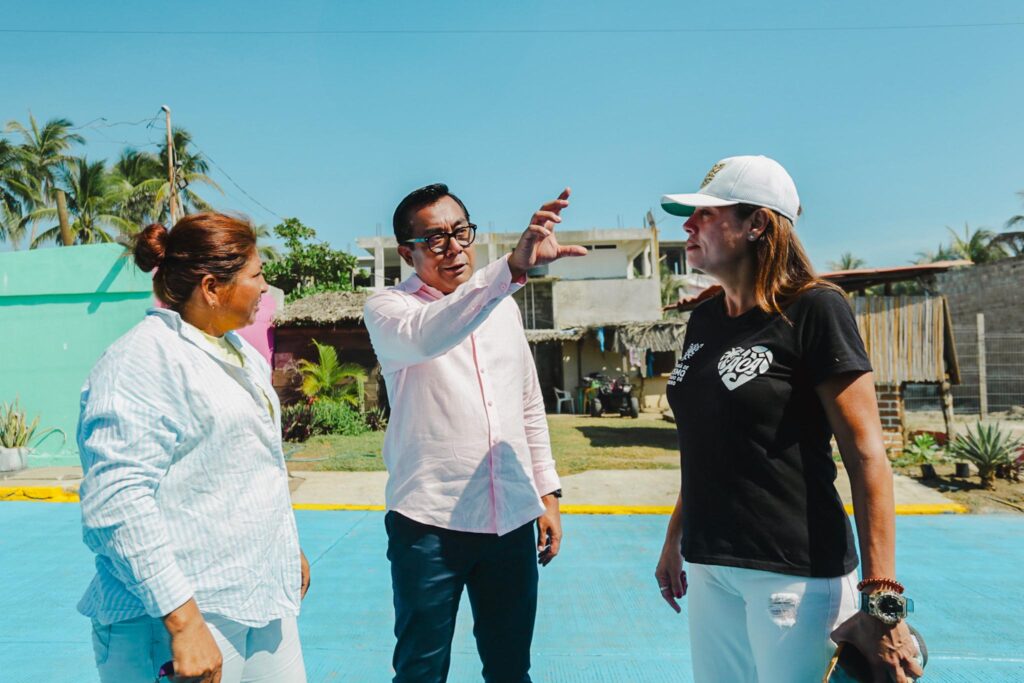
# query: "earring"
{"points": [[752, 237]]}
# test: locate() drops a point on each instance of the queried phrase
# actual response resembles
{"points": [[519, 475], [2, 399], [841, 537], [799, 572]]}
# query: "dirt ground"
{"points": [[1006, 497], [931, 420]]}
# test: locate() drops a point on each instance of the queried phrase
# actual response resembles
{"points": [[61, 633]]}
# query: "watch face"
{"points": [[890, 604], [888, 607]]}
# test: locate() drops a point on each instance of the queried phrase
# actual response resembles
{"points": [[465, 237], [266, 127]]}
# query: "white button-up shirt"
{"points": [[467, 445], [185, 491]]}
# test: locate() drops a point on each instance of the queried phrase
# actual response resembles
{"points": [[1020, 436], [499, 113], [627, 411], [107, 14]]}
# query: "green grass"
{"points": [[579, 444], [338, 453]]}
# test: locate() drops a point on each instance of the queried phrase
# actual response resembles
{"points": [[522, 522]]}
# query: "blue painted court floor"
{"points": [[600, 616]]}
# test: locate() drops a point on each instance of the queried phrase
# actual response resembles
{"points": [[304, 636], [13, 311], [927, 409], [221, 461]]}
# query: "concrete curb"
{"points": [[56, 494]]}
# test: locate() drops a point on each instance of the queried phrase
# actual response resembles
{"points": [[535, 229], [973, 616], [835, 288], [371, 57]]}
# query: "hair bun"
{"points": [[150, 247]]}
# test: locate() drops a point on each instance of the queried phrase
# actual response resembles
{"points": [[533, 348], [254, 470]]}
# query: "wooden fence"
{"points": [[908, 338]]}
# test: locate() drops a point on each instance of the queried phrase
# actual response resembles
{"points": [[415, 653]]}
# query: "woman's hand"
{"points": [[305, 575], [670, 575], [889, 650], [194, 652]]}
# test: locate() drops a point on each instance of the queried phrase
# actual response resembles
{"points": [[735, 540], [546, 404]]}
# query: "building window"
{"points": [[675, 260]]}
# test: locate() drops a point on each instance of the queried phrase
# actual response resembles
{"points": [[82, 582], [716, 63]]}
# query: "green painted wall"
{"points": [[59, 310]]}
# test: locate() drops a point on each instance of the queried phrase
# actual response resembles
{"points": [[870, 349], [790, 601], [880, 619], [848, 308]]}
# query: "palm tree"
{"points": [[137, 178], [12, 226], [267, 252], [1013, 240], [976, 246], [191, 169], [331, 379], [92, 207], [941, 253], [43, 151], [847, 261], [1019, 218], [15, 187]]}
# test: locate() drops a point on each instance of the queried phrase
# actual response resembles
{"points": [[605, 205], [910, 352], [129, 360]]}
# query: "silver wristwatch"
{"points": [[889, 607]]}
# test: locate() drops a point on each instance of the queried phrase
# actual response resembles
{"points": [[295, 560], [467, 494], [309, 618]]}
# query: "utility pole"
{"points": [[173, 199], [62, 215]]}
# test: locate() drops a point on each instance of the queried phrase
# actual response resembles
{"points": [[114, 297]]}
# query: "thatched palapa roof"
{"points": [[541, 336], [325, 308], [660, 335]]}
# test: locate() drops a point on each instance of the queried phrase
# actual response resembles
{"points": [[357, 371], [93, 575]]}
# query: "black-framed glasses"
{"points": [[437, 242]]}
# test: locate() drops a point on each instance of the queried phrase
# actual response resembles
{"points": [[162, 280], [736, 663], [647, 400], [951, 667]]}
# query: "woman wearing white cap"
{"points": [[771, 368]]}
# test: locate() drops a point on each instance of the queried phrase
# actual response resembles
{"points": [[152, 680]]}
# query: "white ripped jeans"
{"points": [[133, 651], [752, 626]]}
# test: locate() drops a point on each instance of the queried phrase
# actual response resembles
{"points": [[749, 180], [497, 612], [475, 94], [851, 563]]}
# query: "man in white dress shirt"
{"points": [[467, 447]]}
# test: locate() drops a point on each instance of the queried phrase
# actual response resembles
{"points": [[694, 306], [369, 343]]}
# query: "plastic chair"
{"points": [[561, 397]]}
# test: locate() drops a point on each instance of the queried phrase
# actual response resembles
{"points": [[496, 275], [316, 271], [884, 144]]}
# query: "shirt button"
{"points": [[490, 403], [482, 371]]}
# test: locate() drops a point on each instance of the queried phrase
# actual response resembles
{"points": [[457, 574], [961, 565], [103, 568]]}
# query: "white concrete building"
{"points": [[573, 308], [617, 281]]}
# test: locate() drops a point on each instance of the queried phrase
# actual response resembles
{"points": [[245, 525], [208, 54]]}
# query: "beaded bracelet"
{"points": [[884, 583]]}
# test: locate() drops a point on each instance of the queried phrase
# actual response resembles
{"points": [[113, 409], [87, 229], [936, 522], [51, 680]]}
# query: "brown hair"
{"points": [[198, 245], [784, 271]]}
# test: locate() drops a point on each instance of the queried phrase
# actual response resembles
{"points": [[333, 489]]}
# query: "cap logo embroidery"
{"points": [[711, 174]]}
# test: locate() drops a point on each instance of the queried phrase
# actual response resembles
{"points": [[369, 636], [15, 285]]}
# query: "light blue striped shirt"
{"points": [[185, 491]]}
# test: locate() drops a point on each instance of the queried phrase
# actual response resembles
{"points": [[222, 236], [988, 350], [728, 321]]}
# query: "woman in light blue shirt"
{"points": [[185, 495]]}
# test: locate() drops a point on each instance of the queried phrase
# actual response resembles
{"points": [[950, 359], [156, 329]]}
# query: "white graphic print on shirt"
{"points": [[677, 374], [738, 365], [680, 370], [690, 350]]}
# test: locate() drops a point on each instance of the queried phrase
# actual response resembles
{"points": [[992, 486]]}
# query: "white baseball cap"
{"points": [[755, 180]]}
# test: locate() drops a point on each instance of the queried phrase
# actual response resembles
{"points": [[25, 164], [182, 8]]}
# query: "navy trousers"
{"points": [[429, 568]]}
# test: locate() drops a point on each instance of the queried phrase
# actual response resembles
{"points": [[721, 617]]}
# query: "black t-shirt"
{"points": [[758, 479]]}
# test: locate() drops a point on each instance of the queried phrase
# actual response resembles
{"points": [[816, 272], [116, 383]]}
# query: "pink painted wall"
{"points": [[261, 333]]}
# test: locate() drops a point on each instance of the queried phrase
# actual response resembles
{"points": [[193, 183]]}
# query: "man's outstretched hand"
{"points": [[538, 246]]}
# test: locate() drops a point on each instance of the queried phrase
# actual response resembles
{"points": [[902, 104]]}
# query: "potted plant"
{"points": [[923, 450], [988, 448], [16, 434]]}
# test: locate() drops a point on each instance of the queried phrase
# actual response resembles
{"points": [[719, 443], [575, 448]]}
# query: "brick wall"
{"points": [[890, 409]]}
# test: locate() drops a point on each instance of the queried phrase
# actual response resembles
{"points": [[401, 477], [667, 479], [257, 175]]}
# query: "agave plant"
{"points": [[924, 449], [989, 448], [17, 432], [330, 379]]}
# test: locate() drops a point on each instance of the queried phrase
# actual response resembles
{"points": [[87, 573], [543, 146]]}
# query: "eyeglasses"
{"points": [[437, 242]]}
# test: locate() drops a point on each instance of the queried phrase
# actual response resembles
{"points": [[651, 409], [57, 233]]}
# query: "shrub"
{"points": [[296, 420], [923, 450], [330, 416], [300, 421], [941, 438], [376, 419], [989, 448], [332, 379]]}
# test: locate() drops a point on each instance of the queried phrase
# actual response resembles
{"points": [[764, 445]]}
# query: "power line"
{"points": [[553, 31], [93, 125], [239, 187]]}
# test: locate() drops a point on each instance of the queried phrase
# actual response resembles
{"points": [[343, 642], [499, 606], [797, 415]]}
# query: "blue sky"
{"points": [[891, 134]]}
